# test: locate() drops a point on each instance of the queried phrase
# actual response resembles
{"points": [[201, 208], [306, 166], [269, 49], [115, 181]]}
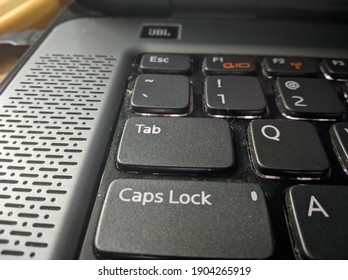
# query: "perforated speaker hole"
{"points": [[46, 120]]}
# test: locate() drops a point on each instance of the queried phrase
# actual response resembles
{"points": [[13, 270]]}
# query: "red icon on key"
{"points": [[236, 65], [296, 65]]}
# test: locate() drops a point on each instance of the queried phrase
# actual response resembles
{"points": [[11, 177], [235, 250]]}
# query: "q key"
{"points": [[280, 148]]}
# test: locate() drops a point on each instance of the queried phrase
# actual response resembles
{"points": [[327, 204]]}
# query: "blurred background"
{"points": [[21, 24]]}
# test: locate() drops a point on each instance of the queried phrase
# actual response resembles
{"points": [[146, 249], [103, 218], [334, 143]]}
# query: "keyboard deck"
{"points": [[227, 157]]}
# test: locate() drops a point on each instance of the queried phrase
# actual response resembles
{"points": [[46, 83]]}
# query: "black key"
{"points": [[165, 63], [308, 99], [339, 137], [161, 94], [318, 218], [289, 66], [335, 68], [229, 65], [234, 96], [184, 219], [191, 145], [287, 148]]}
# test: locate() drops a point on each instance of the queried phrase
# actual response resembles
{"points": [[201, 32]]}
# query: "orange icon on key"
{"points": [[236, 65], [297, 65]]}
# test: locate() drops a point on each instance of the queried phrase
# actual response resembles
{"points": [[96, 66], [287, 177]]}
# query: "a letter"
{"points": [[139, 127], [147, 130], [136, 197], [148, 197], [194, 201], [184, 198], [153, 58], [159, 198], [171, 200], [205, 198], [314, 206], [155, 130], [121, 194], [276, 132]]}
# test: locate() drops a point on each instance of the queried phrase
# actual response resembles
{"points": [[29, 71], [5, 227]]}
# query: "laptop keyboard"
{"points": [[228, 157]]}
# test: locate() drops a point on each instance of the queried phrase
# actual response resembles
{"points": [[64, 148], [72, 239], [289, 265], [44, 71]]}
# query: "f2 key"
{"points": [[289, 66]]}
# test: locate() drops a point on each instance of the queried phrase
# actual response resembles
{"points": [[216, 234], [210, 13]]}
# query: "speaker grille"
{"points": [[46, 121]]}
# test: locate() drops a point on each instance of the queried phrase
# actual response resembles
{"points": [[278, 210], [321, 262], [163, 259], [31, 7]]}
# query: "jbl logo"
{"points": [[160, 32]]}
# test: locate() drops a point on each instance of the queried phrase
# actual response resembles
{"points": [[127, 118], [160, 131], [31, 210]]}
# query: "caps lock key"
{"points": [[193, 219]]}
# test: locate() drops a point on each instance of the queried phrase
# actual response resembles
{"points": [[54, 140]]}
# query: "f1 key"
{"points": [[229, 65], [289, 66], [190, 145]]}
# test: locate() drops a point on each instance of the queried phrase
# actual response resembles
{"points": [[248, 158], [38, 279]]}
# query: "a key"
{"points": [[335, 68], [229, 65], [190, 145], [161, 94], [339, 137], [287, 148], [289, 66], [306, 98], [234, 96], [318, 218], [165, 63], [191, 219]]}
